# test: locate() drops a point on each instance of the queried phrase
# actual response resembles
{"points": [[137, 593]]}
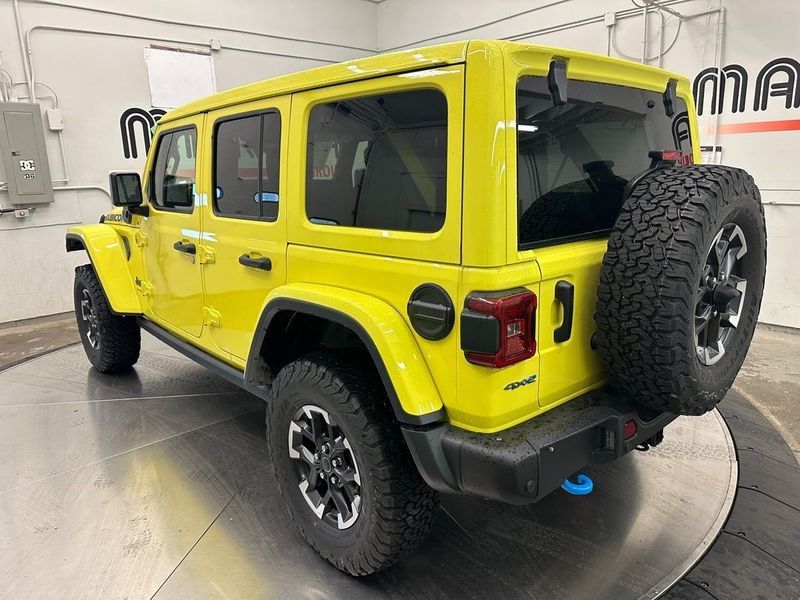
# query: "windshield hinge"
{"points": [[206, 254], [140, 239], [211, 317]]}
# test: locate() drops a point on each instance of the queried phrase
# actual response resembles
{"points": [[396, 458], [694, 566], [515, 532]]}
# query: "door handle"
{"points": [[565, 293], [264, 263], [185, 248]]}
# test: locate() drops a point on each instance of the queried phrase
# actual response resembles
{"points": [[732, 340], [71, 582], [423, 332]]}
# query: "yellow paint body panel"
{"points": [[354, 70], [402, 356], [228, 238], [370, 274], [105, 248]]}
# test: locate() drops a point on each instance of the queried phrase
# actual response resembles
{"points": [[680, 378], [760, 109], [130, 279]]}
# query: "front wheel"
{"points": [[342, 467], [112, 342]]}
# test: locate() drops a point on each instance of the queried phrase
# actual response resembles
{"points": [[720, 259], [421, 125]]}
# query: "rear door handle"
{"points": [[185, 248], [565, 293], [264, 263]]}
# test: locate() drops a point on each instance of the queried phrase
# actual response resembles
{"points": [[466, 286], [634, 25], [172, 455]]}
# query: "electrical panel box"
{"points": [[24, 155]]}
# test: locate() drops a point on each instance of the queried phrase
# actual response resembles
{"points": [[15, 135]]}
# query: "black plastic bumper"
{"points": [[524, 463]]}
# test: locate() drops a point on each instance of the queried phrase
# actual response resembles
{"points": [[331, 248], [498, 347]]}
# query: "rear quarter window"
{"points": [[574, 161], [379, 162]]}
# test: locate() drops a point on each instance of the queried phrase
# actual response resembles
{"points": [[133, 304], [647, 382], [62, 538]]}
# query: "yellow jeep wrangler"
{"points": [[472, 268]]}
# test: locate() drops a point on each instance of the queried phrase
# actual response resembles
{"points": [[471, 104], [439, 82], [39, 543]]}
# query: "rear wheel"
{"points": [[112, 342], [681, 285], [342, 466]]}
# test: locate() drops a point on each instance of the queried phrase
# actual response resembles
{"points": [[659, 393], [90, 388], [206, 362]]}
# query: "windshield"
{"points": [[574, 161]]}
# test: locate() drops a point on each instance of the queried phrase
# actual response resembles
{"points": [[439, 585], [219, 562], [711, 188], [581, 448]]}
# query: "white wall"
{"points": [[98, 76], [754, 34]]}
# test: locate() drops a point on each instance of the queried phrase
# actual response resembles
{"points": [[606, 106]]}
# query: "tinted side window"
{"points": [[247, 165], [236, 166], [573, 162], [173, 177], [379, 162]]}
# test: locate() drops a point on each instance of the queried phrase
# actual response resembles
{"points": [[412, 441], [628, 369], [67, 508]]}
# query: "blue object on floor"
{"points": [[583, 487]]}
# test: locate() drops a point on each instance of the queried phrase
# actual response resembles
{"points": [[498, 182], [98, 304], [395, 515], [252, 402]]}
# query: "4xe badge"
{"points": [[518, 384]]}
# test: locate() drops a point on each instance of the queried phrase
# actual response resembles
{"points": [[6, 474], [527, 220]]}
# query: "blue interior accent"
{"points": [[266, 197], [583, 487]]}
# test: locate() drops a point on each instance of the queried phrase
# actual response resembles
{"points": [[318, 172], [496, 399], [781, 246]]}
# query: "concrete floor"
{"points": [[769, 379], [20, 340], [156, 483]]}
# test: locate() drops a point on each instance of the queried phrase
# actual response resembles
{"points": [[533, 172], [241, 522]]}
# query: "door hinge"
{"points": [[211, 317], [145, 288], [140, 239], [206, 254]]}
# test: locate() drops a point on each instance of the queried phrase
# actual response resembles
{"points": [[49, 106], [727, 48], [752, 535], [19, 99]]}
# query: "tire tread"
{"points": [[120, 337], [404, 504]]}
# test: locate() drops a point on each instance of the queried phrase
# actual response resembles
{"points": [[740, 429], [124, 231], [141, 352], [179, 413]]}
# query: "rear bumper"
{"points": [[524, 463]]}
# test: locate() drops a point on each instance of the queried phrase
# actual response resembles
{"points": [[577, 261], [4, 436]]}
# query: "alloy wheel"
{"points": [[326, 468], [89, 317], [720, 295]]}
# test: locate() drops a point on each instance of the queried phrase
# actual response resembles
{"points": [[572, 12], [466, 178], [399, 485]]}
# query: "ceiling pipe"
{"points": [[22, 50], [116, 13], [136, 36], [644, 34]]}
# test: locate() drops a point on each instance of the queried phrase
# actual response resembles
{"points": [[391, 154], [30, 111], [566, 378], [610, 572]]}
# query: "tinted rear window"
{"points": [[573, 162]]}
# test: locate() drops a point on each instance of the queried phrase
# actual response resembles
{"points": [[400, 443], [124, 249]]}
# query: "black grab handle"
{"points": [[186, 248], [565, 293], [264, 263]]}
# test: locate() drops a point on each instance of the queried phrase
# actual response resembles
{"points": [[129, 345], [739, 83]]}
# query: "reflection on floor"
{"points": [[157, 483]]}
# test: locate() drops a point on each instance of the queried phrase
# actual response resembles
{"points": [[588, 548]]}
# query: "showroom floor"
{"points": [[769, 379], [151, 485]]}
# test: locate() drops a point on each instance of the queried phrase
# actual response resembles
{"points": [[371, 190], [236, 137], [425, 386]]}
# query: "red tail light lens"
{"points": [[514, 314], [675, 156], [630, 429]]}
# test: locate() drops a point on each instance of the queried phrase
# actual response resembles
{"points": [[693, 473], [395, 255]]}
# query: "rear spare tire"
{"points": [[680, 287]]}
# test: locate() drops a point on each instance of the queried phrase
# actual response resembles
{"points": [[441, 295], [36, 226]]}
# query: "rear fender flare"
{"points": [[393, 348]]}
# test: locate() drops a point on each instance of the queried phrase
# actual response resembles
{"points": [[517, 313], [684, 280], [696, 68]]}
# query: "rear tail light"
{"points": [[497, 328], [630, 429], [674, 156]]}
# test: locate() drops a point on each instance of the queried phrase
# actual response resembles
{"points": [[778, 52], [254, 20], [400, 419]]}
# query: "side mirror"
{"points": [[126, 189]]}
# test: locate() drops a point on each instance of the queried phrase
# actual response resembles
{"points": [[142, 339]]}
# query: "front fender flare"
{"points": [[109, 260], [408, 382]]}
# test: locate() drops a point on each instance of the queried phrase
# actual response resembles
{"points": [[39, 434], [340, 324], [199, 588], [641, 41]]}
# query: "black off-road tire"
{"points": [[649, 284], [397, 506], [118, 338]]}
